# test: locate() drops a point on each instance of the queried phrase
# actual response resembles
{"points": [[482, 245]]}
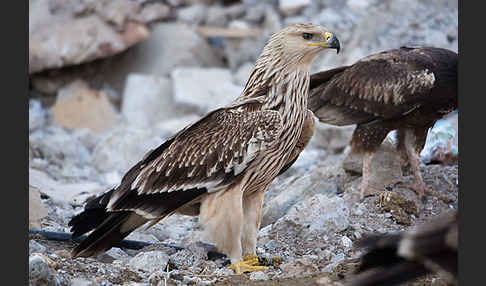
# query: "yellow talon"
{"points": [[248, 264]]}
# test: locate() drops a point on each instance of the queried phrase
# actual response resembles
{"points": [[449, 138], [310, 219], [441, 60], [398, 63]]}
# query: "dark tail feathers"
{"points": [[110, 227]]}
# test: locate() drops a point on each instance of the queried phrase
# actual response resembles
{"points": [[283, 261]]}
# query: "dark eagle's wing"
{"points": [[396, 258], [207, 155], [381, 86]]}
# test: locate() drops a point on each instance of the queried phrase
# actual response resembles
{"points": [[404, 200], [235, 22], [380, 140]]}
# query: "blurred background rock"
{"points": [[109, 80]]}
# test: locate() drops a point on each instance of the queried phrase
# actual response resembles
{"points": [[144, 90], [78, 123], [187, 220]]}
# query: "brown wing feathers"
{"points": [[207, 154], [384, 85], [401, 257]]}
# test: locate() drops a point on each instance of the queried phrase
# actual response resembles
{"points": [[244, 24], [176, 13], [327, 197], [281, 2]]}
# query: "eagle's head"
{"points": [[300, 43]]}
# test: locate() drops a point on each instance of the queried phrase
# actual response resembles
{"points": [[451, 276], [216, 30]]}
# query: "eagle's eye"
{"points": [[307, 36]]}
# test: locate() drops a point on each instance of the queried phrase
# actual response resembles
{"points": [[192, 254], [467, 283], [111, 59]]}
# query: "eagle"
{"points": [[399, 257], [220, 166], [406, 89]]}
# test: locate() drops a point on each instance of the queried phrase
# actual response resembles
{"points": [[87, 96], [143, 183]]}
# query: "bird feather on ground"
{"points": [[220, 166], [405, 89], [391, 259]]}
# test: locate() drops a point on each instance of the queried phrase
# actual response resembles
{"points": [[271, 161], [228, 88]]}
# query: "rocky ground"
{"points": [[136, 72]]}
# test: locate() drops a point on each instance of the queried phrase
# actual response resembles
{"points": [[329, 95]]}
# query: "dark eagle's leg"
{"points": [[366, 189], [412, 143], [366, 139]]}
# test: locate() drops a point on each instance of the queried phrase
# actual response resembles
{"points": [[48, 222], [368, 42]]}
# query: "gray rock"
{"points": [[83, 282], [315, 216], [299, 267], [51, 41], [258, 275], [331, 138], [442, 141], [212, 86], [272, 22], [154, 12], [191, 256], [385, 167], [147, 99], [63, 193], [292, 7], [40, 272], [79, 106], [117, 254], [170, 45], [255, 13], [121, 148], [346, 242], [150, 261], [37, 210], [235, 11], [174, 125], [242, 74], [295, 190], [216, 16], [37, 115], [63, 156], [38, 268], [34, 246], [193, 14]]}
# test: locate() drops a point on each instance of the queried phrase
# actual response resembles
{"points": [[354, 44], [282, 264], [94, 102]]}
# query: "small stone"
{"points": [[82, 282], [150, 261], [191, 256], [37, 115], [323, 281], [34, 246], [154, 12], [78, 106], [212, 85], [299, 267], [111, 153], [38, 268], [331, 138], [255, 13], [37, 210], [242, 75], [385, 166], [397, 207], [216, 17], [174, 125], [258, 275], [193, 14], [292, 7], [147, 99], [62, 253], [346, 242], [297, 190]]}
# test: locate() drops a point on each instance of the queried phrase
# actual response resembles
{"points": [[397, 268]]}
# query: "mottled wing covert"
{"points": [[385, 85], [209, 153]]}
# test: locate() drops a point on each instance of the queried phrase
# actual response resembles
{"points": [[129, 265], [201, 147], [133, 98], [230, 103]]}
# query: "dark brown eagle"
{"points": [[405, 89], [220, 167], [392, 259]]}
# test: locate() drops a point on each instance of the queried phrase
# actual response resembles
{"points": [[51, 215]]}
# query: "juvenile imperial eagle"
{"points": [[391, 259], [220, 167], [405, 89]]}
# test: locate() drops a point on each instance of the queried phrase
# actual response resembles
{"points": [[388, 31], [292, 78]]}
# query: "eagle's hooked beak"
{"points": [[330, 42]]}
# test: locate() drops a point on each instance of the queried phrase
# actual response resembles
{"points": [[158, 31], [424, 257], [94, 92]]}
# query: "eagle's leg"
{"points": [[413, 142], [252, 212], [221, 213], [366, 189], [366, 139]]}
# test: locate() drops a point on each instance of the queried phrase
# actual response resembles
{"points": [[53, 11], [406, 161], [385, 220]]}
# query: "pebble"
{"points": [[258, 275]]}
